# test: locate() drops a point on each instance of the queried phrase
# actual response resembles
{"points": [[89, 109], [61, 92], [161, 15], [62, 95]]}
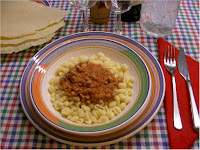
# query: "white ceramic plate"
{"points": [[156, 98], [119, 53]]}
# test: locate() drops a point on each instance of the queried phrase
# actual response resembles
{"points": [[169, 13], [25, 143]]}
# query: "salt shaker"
{"points": [[158, 17]]}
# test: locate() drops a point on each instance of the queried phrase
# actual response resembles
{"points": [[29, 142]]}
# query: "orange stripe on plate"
{"points": [[36, 89]]}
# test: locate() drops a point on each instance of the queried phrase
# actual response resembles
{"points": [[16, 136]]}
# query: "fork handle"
{"points": [[177, 118], [194, 110]]}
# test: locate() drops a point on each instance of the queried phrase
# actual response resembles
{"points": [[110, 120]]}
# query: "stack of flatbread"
{"points": [[26, 23]]}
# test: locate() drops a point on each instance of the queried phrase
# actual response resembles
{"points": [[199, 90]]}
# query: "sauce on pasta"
{"points": [[90, 83]]}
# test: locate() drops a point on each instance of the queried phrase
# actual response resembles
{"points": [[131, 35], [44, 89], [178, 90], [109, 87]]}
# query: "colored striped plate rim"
{"points": [[156, 98], [122, 51], [43, 2]]}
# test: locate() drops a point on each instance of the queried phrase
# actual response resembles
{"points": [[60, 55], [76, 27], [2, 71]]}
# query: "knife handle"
{"points": [[176, 113], [194, 110]]}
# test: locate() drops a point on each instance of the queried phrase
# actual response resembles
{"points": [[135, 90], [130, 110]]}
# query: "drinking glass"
{"points": [[83, 5], [158, 17], [118, 7]]}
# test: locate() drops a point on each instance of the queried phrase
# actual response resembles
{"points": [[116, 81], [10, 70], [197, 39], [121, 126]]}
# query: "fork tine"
{"points": [[171, 54], [174, 54], [165, 57], [168, 54]]}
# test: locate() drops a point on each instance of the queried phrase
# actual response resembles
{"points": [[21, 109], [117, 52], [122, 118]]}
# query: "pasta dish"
{"points": [[90, 90]]}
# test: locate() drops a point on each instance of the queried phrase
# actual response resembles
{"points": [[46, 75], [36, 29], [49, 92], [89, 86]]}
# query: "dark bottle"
{"points": [[133, 14]]}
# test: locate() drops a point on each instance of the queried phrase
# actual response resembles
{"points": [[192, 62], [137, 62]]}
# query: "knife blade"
{"points": [[182, 65], [183, 69]]}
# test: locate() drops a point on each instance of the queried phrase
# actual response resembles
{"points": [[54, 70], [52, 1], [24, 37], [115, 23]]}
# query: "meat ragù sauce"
{"points": [[90, 83]]}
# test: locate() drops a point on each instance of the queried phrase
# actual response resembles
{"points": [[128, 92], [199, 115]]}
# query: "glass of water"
{"points": [[118, 7], [158, 17], [83, 5]]}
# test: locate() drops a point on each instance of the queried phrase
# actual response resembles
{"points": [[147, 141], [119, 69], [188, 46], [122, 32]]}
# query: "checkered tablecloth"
{"points": [[18, 132]]}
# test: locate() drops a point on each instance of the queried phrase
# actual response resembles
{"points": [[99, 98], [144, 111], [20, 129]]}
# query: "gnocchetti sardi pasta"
{"points": [[91, 113]]}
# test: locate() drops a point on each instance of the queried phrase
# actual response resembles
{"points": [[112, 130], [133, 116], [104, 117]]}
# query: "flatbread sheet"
{"points": [[22, 18], [38, 34], [11, 48]]}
